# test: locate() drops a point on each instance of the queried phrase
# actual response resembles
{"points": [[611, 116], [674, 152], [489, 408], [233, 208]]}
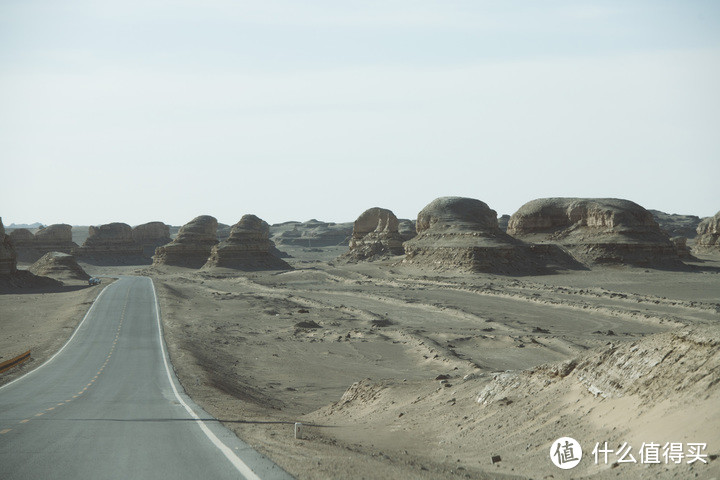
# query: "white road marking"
{"points": [[229, 454], [66, 343]]}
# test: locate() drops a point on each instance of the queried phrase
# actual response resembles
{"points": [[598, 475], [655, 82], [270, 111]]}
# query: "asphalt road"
{"points": [[108, 406]]}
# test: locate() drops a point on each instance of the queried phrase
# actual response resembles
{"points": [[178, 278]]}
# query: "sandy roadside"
{"points": [[41, 320], [263, 350]]}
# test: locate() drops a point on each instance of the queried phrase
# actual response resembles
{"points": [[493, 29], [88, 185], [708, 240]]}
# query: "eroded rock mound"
{"points": [[60, 266], [677, 225], [150, 236], [596, 231], [247, 248], [110, 244], [53, 238], [462, 233], [192, 246], [708, 232], [406, 229], [8, 256], [375, 236]]}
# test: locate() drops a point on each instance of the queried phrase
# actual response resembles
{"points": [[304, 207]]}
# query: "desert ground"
{"points": [[399, 372]]}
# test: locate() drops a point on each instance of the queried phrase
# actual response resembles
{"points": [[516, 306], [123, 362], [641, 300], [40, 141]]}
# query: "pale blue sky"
{"points": [[164, 110]]}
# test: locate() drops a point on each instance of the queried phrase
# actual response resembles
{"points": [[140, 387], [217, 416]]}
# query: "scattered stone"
{"points": [[308, 324], [192, 246]]}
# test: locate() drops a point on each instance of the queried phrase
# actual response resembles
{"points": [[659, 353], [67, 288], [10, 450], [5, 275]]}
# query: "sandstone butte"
{"points": [[375, 236], [463, 233], [596, 231], [192, 246], [110, 243], [150, 236], [53, 238], [58, 264], [708, 231], [248, 247]]}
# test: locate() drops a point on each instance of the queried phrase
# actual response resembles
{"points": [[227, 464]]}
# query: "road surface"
{"points": [[108, 405]]}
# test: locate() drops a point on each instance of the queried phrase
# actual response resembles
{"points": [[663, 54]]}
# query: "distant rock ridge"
{"points": [[375, 236], [596, 231], [312, 233], [112, 243], [708, 233], [192, 246], [676, 225], [8, 256], [463, 233], [60, 266], [248, 247], [53, 238]]}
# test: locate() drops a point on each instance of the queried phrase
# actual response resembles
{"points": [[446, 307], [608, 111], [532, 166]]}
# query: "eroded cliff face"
{"points": [[53, 238], [463, 233], [375, 236], [708, 233], [8, 257], [150, 236], [248, 247], [110, 244], [192, 246], [596, 231]]}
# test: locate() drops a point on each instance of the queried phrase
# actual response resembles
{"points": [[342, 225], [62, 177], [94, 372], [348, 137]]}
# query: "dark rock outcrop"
{"points": [[192, 246], [375, 236], [248, 247], [596, 231], [708, 234], [60, 266], [407, 229], [462, 233], [8, 256], [150, 236]]}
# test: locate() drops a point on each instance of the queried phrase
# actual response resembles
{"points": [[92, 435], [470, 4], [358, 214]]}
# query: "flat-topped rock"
{"points": [[150, 236], [463, 233], [596, 230], [676, 225], [112, 243], [312, 233], [192, 246], [248, 247], [53, 238], [375, 236], [708, 233], [60, 266]]}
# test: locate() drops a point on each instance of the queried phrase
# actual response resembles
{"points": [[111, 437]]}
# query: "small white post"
{"points": [[298, 430]]}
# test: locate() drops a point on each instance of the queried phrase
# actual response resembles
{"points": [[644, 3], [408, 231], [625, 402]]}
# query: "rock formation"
{"points": [[247, 248], [8, 257], [676, 225], [112, 243], [312, 233], [708, 232], [503, 222], [60, 266], [192, 246], [462, 233], [406, 229], [375, 236], [29, 247], [596, 230], [150, 236]]}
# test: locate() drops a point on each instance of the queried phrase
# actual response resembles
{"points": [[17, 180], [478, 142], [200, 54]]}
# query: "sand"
{"points": [[384, 364]]}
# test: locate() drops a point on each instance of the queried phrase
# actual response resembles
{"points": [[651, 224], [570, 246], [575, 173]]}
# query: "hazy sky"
{"points": [[141, 110]]}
